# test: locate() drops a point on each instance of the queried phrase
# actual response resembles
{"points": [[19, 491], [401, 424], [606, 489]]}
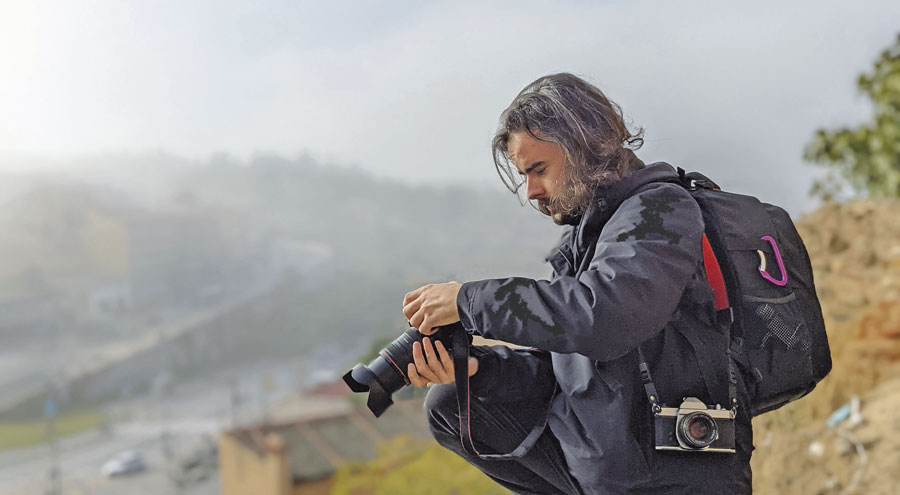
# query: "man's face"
{"points": [[542, 165]]}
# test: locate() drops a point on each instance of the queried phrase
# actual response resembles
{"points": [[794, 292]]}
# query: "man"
{"points": [[627, 274]]}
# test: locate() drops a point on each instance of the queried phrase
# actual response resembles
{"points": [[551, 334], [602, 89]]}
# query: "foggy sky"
{"points": [[412, 90]]}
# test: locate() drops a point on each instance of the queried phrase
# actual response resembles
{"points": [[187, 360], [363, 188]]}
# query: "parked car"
{"points": [[196, 461], [127, 462]]}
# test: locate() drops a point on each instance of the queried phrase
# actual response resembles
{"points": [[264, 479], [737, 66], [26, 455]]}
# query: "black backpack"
{"points": [[778, 334]]}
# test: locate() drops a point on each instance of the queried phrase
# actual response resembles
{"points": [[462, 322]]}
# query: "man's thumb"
{"points": [[473, 366]]}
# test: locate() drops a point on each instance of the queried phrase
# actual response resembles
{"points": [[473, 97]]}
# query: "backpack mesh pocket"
{"points": [[790, 333], [779, 351]]}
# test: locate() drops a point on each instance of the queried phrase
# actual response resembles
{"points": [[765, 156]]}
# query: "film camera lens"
{"points": [[698, 430], [387, 373]]}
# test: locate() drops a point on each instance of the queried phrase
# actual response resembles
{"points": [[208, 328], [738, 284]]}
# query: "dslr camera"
{"points": [[387, 373], [694, 427]]}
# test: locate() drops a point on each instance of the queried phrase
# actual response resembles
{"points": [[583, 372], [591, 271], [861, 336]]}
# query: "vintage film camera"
{"points": [[694, 427]]}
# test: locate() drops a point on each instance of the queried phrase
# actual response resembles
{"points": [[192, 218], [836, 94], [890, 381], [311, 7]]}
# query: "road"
{"points": [[191, 413]]}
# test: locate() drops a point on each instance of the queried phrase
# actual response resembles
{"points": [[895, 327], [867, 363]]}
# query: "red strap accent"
{"points": [[714, 275]]}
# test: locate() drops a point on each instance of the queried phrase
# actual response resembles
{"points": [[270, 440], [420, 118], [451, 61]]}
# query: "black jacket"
{"points": [[630, 273]]}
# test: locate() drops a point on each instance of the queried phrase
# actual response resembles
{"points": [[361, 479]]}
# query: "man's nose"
{"points": [[533, 188]]}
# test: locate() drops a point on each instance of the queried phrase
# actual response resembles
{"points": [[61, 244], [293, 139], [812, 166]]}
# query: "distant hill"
{"points": [[372, 222], [63, 232], [376, 224], [381, 237]]}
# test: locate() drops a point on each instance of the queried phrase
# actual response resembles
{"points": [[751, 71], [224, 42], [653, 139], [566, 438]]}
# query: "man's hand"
{"points": [[431, 306], [435, 365]]}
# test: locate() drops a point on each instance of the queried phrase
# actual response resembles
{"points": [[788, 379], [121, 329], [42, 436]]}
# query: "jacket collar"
{"points": [[608, 197]]}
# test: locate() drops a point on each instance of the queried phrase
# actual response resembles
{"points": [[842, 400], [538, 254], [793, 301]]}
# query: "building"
{"points": [[300, 457]]}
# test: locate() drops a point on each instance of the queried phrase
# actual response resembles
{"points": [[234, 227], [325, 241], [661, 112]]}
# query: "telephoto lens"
{"points": [[387, 373]]}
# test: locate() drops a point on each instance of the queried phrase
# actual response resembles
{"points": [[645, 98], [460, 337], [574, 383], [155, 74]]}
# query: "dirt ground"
{"points": [[855, 251]]}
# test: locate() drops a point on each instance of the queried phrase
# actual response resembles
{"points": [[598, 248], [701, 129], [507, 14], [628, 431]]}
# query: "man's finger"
{"points": [[417, 319], [444, 356], [434, 363], [412, 295], [473, 366], [426, 327], [429, 353], [411, 308], [422, 366], [418, 357], [413, 375]]}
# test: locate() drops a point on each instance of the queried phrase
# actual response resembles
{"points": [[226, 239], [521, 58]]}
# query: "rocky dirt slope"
{"points": [[855, 251]]}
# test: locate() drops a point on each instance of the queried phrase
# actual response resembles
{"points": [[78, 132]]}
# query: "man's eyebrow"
{"points": [[532, 167]]}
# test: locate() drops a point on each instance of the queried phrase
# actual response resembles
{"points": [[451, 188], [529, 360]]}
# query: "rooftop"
{"points": [[316, 446]]}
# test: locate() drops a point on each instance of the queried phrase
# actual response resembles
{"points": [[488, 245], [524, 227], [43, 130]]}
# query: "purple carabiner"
{"points": [[762, 264]]}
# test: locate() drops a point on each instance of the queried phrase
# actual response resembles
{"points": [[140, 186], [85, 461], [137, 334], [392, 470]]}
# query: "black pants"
{"points": [[499, 427]]}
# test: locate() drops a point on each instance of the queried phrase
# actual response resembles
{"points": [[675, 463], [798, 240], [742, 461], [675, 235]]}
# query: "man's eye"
{"points": [[540, 172]]}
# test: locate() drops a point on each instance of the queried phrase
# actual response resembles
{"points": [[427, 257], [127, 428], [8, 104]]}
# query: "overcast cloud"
{"points": [[412, 90]]}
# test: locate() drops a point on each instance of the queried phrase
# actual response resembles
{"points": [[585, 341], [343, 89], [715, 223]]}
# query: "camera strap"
{"points": [[712, 377], [705, 361], [464, 403]]}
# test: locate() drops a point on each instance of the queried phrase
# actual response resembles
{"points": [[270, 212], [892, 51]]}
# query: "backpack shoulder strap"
{"points": [[714, 277]]}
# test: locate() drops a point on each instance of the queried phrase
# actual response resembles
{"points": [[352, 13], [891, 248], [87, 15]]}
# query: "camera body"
{"points": [[694, 427]]}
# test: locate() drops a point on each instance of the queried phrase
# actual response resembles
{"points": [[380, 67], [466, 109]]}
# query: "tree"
{"points": [[867, 157]]}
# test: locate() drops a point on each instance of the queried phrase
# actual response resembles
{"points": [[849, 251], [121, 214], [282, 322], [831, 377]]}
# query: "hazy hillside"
{"points": [[358, 242], [376, 224]]}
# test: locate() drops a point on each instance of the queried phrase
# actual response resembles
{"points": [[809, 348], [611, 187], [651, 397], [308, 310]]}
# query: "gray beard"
{"points": [[562, 218], [566, 219], [570, 217]]}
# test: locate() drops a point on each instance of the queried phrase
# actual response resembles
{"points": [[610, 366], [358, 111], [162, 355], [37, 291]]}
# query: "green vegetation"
{"points": [[17, 434], [867, 157], [405, 465]]}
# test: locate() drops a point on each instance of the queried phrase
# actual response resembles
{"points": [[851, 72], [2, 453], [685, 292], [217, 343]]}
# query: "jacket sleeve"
{"points": [[644, 257]]}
